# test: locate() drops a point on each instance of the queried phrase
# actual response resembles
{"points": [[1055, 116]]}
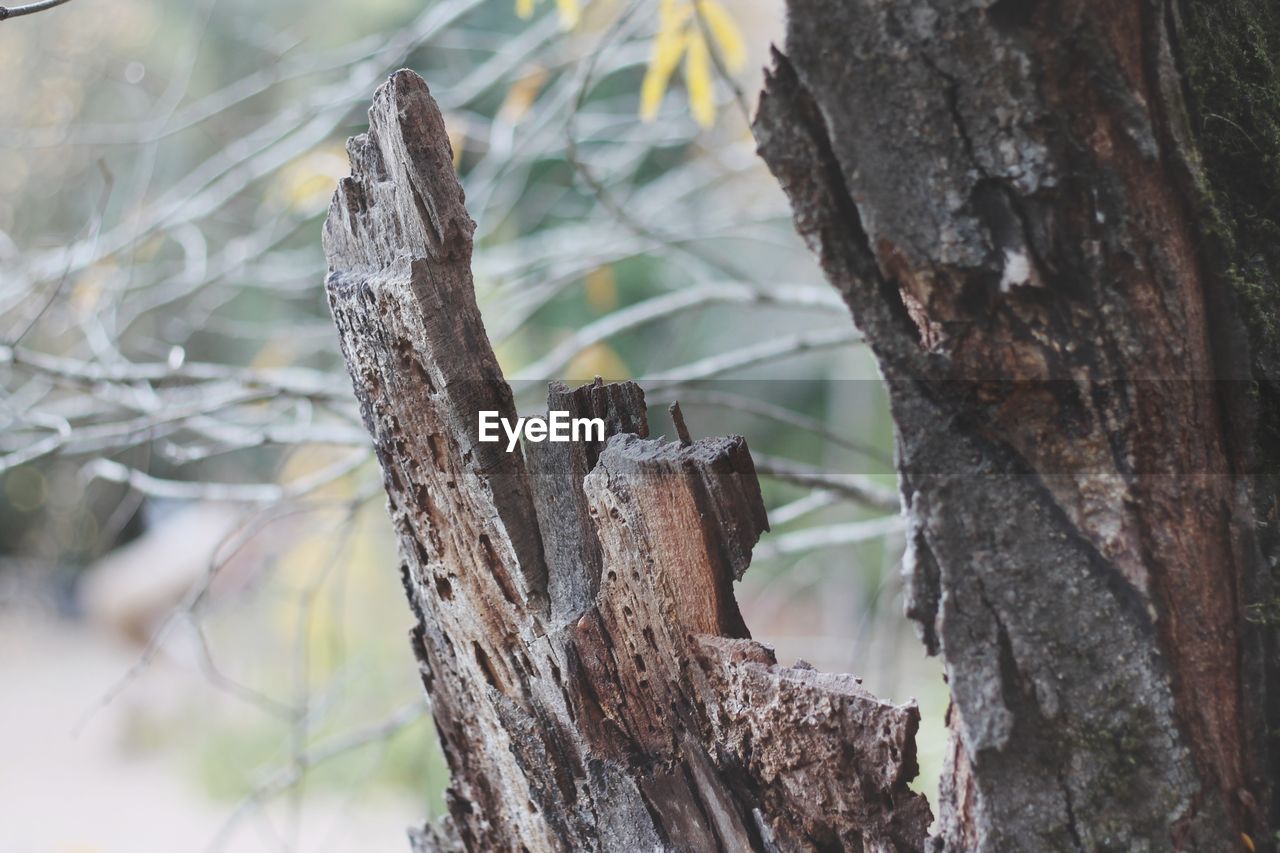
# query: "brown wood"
{"points": [[1021, 207], [592, 681]]}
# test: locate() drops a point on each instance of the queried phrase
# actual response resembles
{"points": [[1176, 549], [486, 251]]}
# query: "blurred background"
{"points": [[202, 634]]}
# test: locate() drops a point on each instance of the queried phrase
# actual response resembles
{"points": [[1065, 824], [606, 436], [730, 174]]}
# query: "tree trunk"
{"points": [[591, 679], [1056, 224]]}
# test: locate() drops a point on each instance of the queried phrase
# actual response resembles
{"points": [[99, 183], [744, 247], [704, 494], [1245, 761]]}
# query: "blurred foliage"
{"points": [[570, 11], [686, 28]]}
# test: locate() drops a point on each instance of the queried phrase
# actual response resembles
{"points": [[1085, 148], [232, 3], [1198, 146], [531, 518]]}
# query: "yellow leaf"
{"points": [[306, 184], [90, 286], [1248, 842], [666, 15], [511, 357], [522, 94], [570, 13], [697, 76], [524, 8], [599, 359], [276, 353], [672, 15], [456, 129], [26, 488], [726, 32], [306, 461], [602, 290], [149, 249], [668, 47]]}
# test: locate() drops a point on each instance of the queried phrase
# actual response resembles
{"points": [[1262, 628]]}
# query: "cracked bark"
{"points": [[1020, 205], [592, 682]]}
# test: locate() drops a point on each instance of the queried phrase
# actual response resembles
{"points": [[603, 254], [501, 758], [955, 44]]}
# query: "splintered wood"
{"points": [[593, 684]]}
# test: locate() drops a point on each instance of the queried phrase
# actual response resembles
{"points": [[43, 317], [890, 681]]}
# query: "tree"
{"points": [[1052, 223], [1055, 224], [591, 679]]}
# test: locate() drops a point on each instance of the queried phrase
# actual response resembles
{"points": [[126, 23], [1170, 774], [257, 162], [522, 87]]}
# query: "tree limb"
{"points": [[7, 12]]}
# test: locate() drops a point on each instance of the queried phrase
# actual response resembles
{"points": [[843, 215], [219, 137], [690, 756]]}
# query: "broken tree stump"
{"points": [[592, 682]]}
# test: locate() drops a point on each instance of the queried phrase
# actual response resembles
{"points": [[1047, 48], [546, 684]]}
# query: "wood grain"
{"points": [[591, 678]]}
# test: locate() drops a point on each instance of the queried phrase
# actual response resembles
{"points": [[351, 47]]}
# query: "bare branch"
{"points": [[670, 304], [293, 773], [830, 536], [295, 381], [854, 486], [268, 493], [783, 415], [7, 12], [812, 502], [717, 60], [750, 355]]}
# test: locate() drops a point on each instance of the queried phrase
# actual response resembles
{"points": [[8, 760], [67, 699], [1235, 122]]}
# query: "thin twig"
{"points": [[677, 419], [812, 502], [264, 493], [713, 48], [295, 381], [597, 187], [768, 351], [853, 486], [785, 416], [293, 773], [830, 536], [230, 545], [650, 310], [94, 228], [7, 12]]}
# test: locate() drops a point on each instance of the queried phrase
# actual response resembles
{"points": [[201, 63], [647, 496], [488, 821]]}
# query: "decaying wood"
{"points": [[1011, 199], [592, 681]]}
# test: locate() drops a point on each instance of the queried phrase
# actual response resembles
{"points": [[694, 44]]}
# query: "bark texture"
{"points": [[592, 681], [1067, 283]]}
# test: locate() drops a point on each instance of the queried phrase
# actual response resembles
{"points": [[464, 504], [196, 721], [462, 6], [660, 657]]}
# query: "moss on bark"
{"points": [[1231, 62], [1230, 59]]}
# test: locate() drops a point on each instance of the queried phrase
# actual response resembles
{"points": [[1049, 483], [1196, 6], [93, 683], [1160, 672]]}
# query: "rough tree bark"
{"points": [[591, 679], [1056, 224]]}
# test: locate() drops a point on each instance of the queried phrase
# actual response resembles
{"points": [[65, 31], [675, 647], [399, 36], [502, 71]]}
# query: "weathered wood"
{"points": [[557, 471], [592, 681], [1010, 197]]}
